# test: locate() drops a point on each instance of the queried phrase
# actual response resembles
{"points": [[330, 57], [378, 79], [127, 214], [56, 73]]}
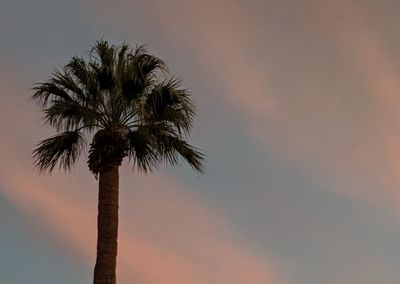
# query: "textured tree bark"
{"points": [[107, 226]]}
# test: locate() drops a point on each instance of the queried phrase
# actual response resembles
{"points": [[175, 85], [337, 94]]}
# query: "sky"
{"points": [[298, 114]]}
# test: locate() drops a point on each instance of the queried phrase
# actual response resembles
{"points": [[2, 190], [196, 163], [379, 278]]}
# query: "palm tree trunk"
{"points": [[107, 226]]}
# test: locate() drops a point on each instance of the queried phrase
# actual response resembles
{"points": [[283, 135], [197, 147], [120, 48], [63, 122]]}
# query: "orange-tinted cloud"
{"points": [[328, 135], [167, 235], [206, 254], [360, 39], [218, 34]]}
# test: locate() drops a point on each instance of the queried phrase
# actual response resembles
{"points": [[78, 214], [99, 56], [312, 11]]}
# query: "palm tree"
{"points": [[119, 98]]}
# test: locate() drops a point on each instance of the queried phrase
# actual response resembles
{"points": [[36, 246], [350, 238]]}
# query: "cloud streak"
{"points": [[171, 236], [345, 138], [212, 257], [379, 157]]}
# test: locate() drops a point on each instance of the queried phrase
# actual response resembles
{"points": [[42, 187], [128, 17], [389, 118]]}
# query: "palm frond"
{"points": [[172, 149], [63, 79], [169, 102], [63, 148], [77, 66], [150, 144], [149, 65], [104, 53], [71, 115], [141, 150], [141, 71], [122, 53], [85, 76], [46, 92], [103, 57]]}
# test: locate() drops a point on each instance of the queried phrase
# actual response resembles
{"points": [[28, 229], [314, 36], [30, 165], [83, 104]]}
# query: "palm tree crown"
{"points": [[119, 96]]}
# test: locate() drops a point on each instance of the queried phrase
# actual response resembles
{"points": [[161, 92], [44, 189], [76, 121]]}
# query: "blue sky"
{"points": [[297, 113]]}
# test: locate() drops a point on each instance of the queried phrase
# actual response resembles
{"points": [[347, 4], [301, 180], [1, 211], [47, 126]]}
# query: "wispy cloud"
{"points": [[351, 142], [377, 152], [171, 236], [205, 254]]}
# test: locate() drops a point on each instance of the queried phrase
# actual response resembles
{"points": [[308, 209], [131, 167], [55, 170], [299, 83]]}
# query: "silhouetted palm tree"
{"points": [[117, 96]]}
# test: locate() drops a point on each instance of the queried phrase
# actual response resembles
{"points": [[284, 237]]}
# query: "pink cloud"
{"points": [[167, 235], [378, 152], [325, 136], [205, 254]]}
